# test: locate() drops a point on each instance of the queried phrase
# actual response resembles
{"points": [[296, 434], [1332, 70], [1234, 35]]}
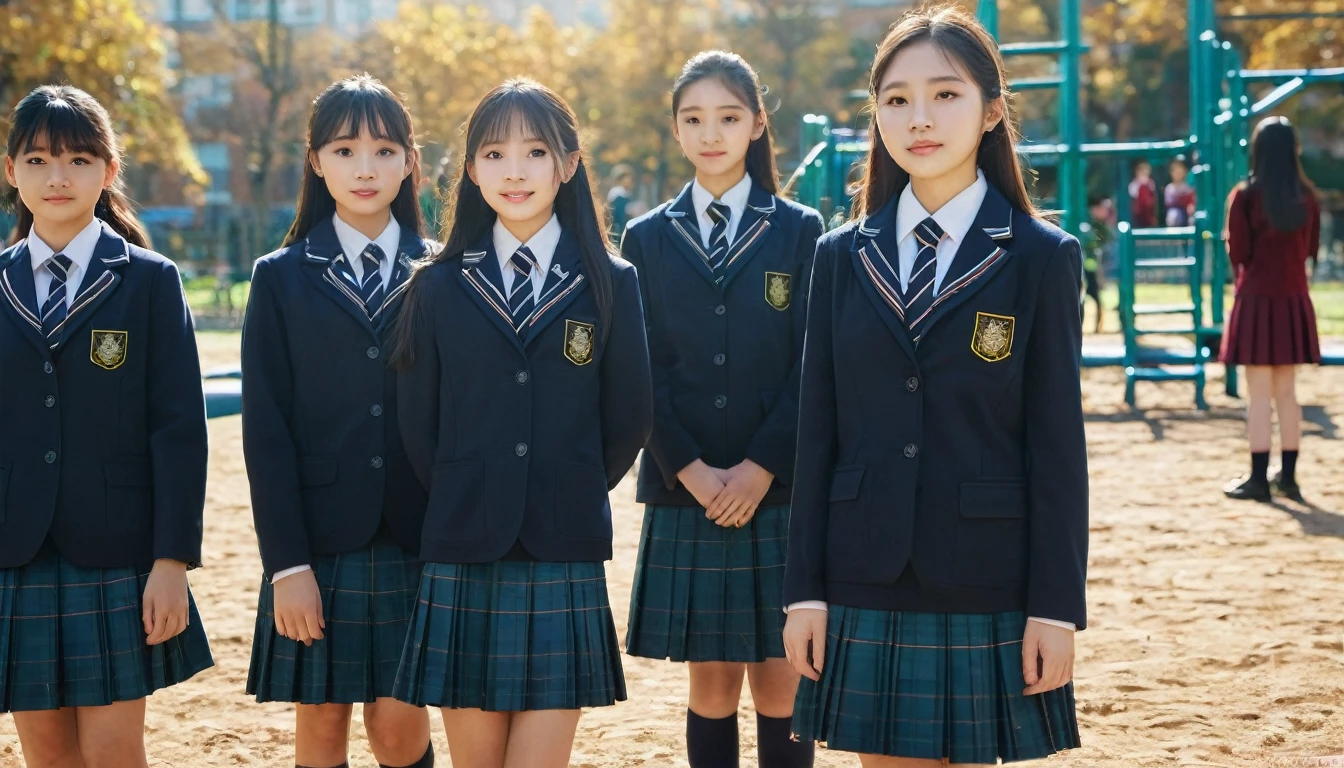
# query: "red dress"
{"points": [[1272, 321]]}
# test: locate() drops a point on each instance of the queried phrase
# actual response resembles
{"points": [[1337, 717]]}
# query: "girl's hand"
{"points": [[747, 484], [164, 604], [298, 607], [702, 481], [1047, 657], [805, 641]]}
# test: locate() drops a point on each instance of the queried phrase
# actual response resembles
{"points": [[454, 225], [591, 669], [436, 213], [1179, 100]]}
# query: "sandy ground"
{"points": [[1217, 628]]}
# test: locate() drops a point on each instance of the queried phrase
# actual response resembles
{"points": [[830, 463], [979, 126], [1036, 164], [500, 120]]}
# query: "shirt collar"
{"points": [[542, 245], [353, 242], [735, 198], [955, 217], [80, 250]]}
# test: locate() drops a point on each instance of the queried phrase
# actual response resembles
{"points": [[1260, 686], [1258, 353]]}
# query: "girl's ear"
{"points": [[571, 165], [994, 113], [110, 174], [676, 130], [759, 128], [9, 172], [314, 161], [471, 172], [412, 159]]}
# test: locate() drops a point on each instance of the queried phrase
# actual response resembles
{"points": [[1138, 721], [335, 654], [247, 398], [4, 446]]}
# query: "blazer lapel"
{"points": [[874, 257], [101, 279], [683, 230], [982, 253], [323, 262], [752, 232], [20, 296], [564, 283], [412, 248], [482, 281]]}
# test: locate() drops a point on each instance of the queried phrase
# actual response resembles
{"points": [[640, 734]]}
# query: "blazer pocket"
{"points": [[456, 511], [317, 470], [130, 494], [846, 527], [845, 482], [580, 507], [4, 489], [991, 535]]}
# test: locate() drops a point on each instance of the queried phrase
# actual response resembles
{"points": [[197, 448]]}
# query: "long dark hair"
{"points": [[341, 112], [738, 77], [956, 34], [522, 105], [70, 120], [1276, 171]]}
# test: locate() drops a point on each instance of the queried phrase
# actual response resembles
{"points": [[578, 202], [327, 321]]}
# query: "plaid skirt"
{"points": [[511, 636], [72, 636], [367, 597], [931, 685], [703, 592]]}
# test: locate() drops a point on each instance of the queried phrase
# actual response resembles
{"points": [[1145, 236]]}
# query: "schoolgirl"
{"points": [[1273, 230], [337, 510], [938, 543], [102, 448], [525, 397], [723, 271]]}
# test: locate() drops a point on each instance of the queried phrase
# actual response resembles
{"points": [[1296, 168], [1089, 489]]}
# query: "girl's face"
{"points": [[715, 128], [932, 116], [363, 173], [519, 178], [1178, 172], [59, 189]]}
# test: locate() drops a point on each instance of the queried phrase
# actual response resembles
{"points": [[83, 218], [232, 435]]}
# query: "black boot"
{"points": [[1286, 487]]}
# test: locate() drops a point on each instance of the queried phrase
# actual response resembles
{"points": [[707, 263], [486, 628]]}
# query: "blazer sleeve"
{"points": [[805, 565], [776, 440], [178, 440], [672, 446], [269, 450], [1056, 447], [420, 385], [627, 388], [1239, 228]]}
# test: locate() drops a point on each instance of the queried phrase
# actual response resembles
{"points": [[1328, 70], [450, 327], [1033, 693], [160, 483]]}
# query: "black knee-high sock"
{"points": [[1260, 466], [776, 748], [426, 760], [711, 743], [1289, 473]]}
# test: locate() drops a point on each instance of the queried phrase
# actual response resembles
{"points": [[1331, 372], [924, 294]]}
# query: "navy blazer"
{"points": [[726, 355], [519, 437], [102, 436], [947, 474], [320, 437]]}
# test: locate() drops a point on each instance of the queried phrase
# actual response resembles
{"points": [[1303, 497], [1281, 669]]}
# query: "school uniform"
{"points": [[724, 285], [940, 497], [102, 469], [521, 411], [332, 490]]}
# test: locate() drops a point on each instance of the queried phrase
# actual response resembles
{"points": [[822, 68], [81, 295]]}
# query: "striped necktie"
{"points": [[522, 262], [55, 308], [371, 286], [918, 294], [719, 213]]}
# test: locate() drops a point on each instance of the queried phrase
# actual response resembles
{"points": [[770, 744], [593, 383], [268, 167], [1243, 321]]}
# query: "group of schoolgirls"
{"points": [[859, 470]]}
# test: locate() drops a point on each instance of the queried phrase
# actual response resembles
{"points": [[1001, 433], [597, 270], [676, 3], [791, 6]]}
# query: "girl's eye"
{"points": [[537, 153], [945, 95], [385, 152], [730, 119], [36, 161], [344, 152], [692, 121], [897, 101], [80, 161], [493, 155]]}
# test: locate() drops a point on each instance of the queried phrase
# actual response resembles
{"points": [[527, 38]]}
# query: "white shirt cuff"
{"points": [[809, 605], [290, 572], [1055, 622]]}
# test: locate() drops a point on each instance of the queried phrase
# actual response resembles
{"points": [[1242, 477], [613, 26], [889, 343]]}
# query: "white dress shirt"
{"points": [[353, 242], [79, 251], [542, 245], [736, 200], [956, 218]]}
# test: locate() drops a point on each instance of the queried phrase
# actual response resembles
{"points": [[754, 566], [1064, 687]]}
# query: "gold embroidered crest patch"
{"points": [[107, 349], [993, 337], [578, 342], [778, 290]]}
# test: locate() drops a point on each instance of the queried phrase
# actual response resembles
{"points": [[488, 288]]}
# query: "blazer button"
{"points": [[719, 310], [50, 457], [721, 401], [46, 368], [376, 462], [719, 358], [372, 353], [50, 401], [376, 410], [911, 451], [520, 449], [912, 383], [521, 377]]}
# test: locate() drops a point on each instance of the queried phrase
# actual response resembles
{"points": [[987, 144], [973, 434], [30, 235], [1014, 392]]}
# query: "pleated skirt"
{"points": [[1271, 330]]}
